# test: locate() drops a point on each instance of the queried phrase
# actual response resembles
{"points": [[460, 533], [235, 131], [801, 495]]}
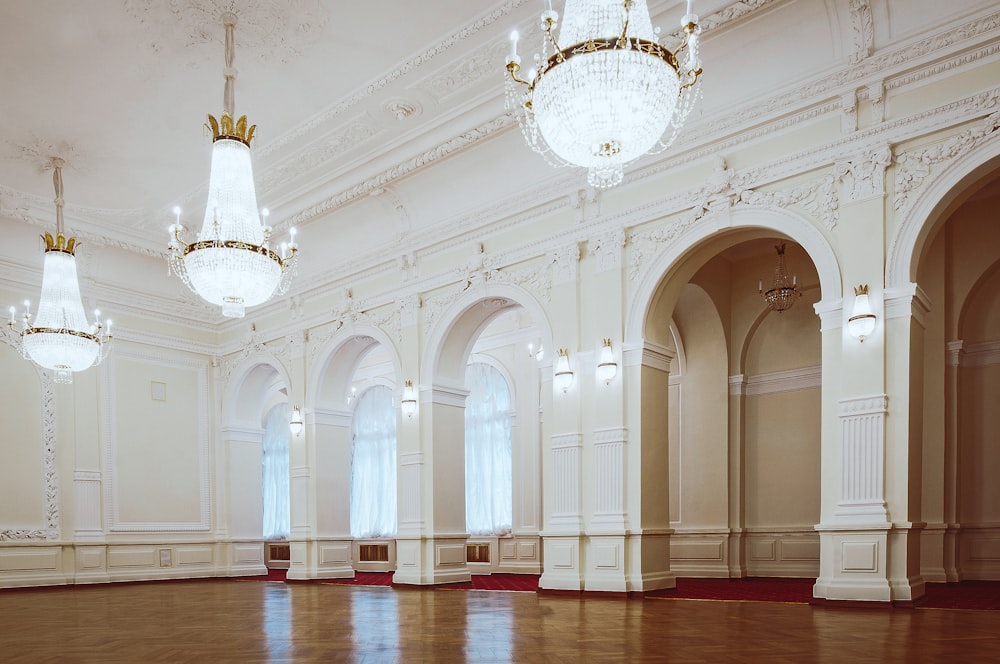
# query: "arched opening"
{"points": [[355, 420], [743, 412], [504, 331], [256, 435], [959, 270]]}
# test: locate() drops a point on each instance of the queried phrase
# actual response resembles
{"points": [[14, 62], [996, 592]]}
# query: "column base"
{"points": [[562, 562], [431, 561]]}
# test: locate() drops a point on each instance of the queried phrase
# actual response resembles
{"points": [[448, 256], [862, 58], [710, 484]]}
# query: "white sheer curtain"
{"points": [[275, 473], [488, 484], [373, 465]]}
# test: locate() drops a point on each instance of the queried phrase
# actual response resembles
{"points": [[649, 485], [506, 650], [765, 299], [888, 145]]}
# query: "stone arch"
{"points": [[450, 342], [339, 357], [680, 257], [938, 199], [248, 389]]}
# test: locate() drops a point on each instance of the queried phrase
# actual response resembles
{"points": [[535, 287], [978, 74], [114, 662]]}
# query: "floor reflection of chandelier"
{"points": [[606, 92], [232, 265], [60, 338]]}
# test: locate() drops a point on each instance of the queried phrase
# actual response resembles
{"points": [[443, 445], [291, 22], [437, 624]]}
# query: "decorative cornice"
{"points": [[614, 435], [562, 441], [805, 378], [877, 404], [982, 354]]}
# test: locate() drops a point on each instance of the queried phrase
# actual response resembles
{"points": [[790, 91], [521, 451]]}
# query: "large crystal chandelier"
{"points": [[783, 293], [232, 264], [61, 339], [606, 92]]}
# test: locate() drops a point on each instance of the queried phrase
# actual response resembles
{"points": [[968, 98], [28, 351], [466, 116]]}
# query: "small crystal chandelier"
{"points": [[781, 295], [232, 264], [61, 339], [610, 95]]}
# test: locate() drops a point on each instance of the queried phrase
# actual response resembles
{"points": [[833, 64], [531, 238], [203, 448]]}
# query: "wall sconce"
{"points": [[409, 401], [537, 354], [862, 320], [607, 368], [564, 375], [295, 421], [351, 394]]}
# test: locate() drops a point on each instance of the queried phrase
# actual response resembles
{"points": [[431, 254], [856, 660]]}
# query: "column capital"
{"points": [[648, 354], [906, 301]]}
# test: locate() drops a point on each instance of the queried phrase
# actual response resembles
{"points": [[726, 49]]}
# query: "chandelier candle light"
{"points": [[232, 265], [61, 339], [606, 92], [782, 294]]}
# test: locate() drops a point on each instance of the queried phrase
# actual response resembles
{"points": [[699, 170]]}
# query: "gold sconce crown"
{"points": [[224, 127], [60, 243], [861, 290]]}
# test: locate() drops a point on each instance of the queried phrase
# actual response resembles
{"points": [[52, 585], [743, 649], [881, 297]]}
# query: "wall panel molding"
{"points": [[109, 442]]}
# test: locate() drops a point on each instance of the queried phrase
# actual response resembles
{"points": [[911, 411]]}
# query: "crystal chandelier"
{"points": [[781, 295], [231, 264], [611, 94], [61, 339]]}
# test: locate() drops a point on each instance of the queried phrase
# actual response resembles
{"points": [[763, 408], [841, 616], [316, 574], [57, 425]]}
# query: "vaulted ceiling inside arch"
{"points": [[381, 126]]}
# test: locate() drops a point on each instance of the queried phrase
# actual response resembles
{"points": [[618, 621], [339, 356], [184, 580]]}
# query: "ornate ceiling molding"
{"points": [[267, 30], [325, 117]]}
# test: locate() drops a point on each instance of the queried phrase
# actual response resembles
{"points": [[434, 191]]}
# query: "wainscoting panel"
{"points": [[979, 552]]}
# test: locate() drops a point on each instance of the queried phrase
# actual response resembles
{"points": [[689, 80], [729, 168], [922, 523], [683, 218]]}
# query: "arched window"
{"points": [[275, 489], [373, 465], [488, 484]]}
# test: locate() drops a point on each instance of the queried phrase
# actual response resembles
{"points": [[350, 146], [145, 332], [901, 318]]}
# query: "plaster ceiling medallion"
{"points": [[269, 29], [38, 152], [402, 109]]}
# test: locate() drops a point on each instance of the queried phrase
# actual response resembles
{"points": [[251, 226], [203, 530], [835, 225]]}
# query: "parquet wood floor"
{"points": [[228, 621]]}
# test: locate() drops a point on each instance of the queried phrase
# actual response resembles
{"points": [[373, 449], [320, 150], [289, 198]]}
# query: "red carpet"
{"points": [[977, 595], [982, 595], [748, 589]]}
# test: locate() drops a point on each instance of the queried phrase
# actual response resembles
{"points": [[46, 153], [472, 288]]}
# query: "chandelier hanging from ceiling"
{"points": [[606, 92], [232, 264], [60, 338], [782, 294]]}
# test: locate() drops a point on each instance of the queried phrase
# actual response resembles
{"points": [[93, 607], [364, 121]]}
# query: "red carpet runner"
{"points": [[979, 595]]}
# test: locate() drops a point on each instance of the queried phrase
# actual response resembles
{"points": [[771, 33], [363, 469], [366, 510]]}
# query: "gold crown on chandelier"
{"points": [[59, 243], [224, 127]]}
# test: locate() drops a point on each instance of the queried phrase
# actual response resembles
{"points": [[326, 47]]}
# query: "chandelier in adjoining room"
{"points": [[606, 92], [232, 264], [783, 293], [60, 338]]}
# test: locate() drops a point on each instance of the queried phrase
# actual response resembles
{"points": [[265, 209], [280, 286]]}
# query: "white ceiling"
{"points": [[377, 122]]}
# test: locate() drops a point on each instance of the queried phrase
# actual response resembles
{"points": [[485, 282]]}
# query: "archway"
{"points": [[255, 389], [958, 267], [744, 413], [501, 325], [351, 363]]}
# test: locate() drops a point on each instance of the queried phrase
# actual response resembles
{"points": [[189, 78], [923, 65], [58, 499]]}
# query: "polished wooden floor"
{"points": [[247, 621]]}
